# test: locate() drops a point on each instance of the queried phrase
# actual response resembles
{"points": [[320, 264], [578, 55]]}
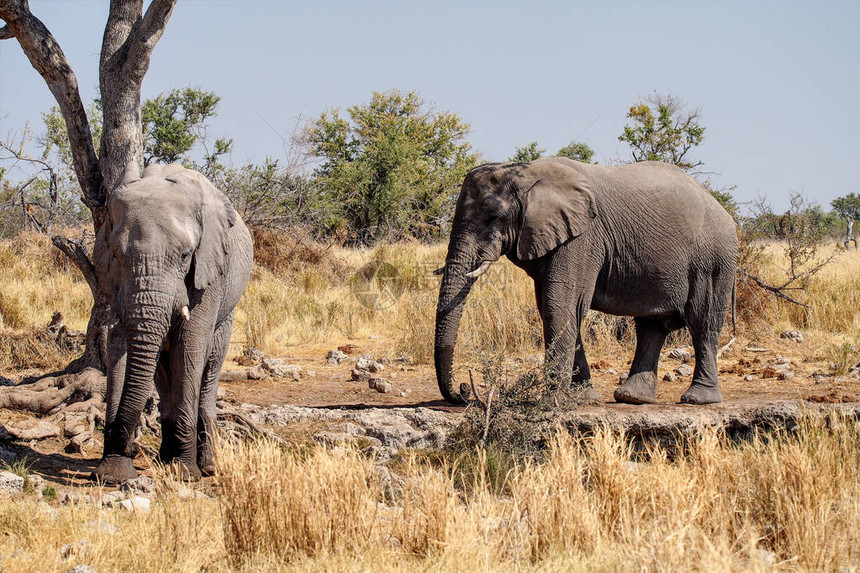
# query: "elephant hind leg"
{"points": [[641, 384], [705, 388], [705, 315], [207, 412]]}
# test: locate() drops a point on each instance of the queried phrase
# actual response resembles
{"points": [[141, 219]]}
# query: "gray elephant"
{"points": [[173, 258], [642, 240]]}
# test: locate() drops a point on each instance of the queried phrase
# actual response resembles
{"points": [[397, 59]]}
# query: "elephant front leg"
{"points": [[641, 384], [565, 356], [206, 422], [580, 383], [179, 413]]}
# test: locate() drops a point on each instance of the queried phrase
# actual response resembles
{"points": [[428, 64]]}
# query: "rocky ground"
{"points": [[385, 403]]}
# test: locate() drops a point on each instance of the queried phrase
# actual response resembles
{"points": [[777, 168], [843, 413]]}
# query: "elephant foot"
{"points": [[584, 393], [114, 469], [701, 394], [639, 388], [183, 470], [206, 459]]}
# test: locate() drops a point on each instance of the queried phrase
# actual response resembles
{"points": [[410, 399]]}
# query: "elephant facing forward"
{"points": [[642, 240], [173, 258]]}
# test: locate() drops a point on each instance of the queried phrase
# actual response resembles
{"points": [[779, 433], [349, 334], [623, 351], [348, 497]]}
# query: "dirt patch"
{"points": [[753, 382]]}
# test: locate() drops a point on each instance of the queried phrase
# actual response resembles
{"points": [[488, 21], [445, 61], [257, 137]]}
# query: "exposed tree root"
{"points": [[49, 394], [234, 424]]}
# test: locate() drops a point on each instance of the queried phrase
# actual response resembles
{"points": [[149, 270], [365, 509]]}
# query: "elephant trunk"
{"points": [[456, 283], [146, 322]]}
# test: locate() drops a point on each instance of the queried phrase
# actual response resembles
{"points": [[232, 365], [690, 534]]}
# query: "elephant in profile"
{"points": [[642, 240], [173, 258]]}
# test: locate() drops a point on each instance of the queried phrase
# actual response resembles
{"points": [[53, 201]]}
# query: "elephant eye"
{"points": [[185, 254]]}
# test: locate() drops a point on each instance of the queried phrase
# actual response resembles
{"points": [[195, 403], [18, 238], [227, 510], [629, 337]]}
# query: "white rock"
{"points": [[11, 483], [381, 385], [82, 569], [684, 370], [136, 503], [794, 335], [670, 377], [111, 497], [140, 484], [102, 526], [278, 368], [764, 556], [681, 354], [334, 357], [359, 374]]}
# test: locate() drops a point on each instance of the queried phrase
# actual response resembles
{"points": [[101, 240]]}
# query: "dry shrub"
{"points": [[35, 280], [290, 254], [42, 256], [34, 349], [291, 506]]}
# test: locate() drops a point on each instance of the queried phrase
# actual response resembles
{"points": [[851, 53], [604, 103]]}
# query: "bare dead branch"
{"points": [[475, 390], [778, 291], [487, 414], [48, 59], [6, 33], [77, 254], [725, 347]]}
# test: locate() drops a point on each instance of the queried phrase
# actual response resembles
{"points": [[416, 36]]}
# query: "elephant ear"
{"points": [[216, 216], [558, 205]]}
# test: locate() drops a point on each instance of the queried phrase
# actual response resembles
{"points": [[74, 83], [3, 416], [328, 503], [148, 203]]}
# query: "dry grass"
{"points": [[302, 297], [790, 498]]}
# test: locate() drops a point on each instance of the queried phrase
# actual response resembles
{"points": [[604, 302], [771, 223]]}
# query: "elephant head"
{"points": [[522, 210], [163, 242]]}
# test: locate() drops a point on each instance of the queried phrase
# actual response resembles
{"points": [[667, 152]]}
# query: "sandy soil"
{"points": [[415, 385]]}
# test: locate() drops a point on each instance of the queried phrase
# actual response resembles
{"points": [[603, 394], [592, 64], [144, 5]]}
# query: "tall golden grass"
{"points": [[301, 298], [791, 498]]}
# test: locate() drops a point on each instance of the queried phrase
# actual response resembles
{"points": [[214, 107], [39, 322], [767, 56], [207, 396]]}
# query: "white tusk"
{"points": [[480, 270], [184, 312]]}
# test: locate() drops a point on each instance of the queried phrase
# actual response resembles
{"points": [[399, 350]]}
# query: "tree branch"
{"points": [[6, 33], [145, 35], [77, 254], [778, 291], [46, 56]]}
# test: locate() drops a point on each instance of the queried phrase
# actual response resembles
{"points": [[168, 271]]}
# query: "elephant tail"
{"points": [[734, 308]]}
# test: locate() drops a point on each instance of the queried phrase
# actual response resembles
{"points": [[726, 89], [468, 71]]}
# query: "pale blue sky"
{"points": [[778, 83]]}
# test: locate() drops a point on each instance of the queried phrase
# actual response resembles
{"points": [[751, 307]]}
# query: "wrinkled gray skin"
{"points": [[642, 240], [173, 258]]}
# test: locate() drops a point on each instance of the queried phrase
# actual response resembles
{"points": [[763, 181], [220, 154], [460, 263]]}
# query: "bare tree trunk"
{"points": [[129, 39]]}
